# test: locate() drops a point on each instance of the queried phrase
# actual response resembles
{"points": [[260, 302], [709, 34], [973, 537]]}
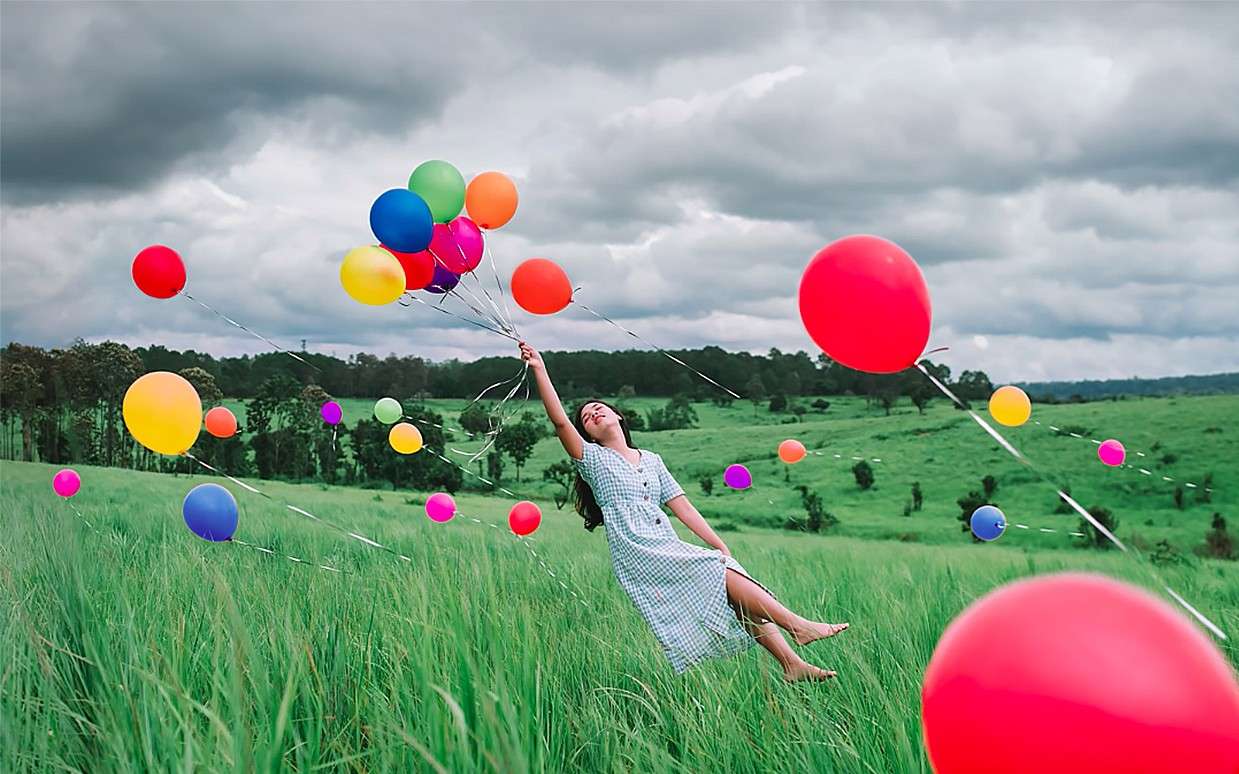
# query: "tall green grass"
{"points": [[134, 646]]}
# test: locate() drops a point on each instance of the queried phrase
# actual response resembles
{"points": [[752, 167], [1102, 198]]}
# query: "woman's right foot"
{"points": [[812, 631], [804, 671]]}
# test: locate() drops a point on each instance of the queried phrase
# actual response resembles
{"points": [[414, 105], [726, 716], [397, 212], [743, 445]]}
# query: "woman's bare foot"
{"points": [[812, 631], [805, 671]]}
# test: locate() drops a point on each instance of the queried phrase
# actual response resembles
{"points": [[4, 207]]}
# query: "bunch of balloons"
{"points": [[424, 241]]}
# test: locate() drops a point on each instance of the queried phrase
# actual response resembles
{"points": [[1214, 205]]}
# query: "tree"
{"points": [[1204, 492], [917, 497], [967, 505], [921, 393], [1178, 497], [563, 475], [990, 485], [475, 419], [204, 382], [778, 403], [20, 389], [627, 392], [494, 466], [974, 385], [863, 472], [1218, 543], [517, 440], [677, 414], [1093, 538], [755, 388], [816, 516]]}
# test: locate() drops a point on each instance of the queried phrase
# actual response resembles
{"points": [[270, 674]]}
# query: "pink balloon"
{"points": [[445, 250], [469, 241], [1112, 453], [67, 482], [440, 507]]}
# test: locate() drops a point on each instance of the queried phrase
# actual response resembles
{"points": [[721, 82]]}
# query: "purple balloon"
{"points": [[332, 413], [737, 477], [443, 280]]}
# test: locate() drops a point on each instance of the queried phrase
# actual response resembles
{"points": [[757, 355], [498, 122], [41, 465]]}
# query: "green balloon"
{"points": [[442, 186], [388, 410]]}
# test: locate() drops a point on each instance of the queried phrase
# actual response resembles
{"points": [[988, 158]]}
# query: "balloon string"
{"points": [[1126, 466], [673, 358], [453, 291], [449, 312], [255, 334], [508, 326], [498, 284], [1065, 497], [302, 511], [526, 541]]}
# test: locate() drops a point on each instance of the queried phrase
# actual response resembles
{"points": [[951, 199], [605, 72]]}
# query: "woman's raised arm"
{"points": [[568, 435]]}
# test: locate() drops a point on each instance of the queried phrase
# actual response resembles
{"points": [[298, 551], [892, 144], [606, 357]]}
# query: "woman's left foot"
{"points": [[812, 631]]}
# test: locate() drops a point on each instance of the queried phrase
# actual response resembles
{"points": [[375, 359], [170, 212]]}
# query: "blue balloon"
{"points": [[443, 280], [988, 523], [210, 512], [401, 220]]}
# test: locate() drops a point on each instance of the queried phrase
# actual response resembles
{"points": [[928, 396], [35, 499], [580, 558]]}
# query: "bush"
{"points": [[990, 485], [707, 485], [1218, 543], [726, 526], [864, 474], [967, 504], [778, 403], [820, 405], [1092, 536], [678, 414], [917, 497]]}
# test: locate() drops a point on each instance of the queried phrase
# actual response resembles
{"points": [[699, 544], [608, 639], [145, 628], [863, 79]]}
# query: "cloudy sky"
{"points": [[1066, 175]]}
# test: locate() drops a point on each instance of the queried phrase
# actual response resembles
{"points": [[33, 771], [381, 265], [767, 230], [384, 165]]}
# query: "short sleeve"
{"points": [[669, 488], [590, 462]]}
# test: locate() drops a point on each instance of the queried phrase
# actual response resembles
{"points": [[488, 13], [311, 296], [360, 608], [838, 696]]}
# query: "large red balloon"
{"points": [[419, 268], [864, 302], [158, 271], [539, 286], [1078, 673]]}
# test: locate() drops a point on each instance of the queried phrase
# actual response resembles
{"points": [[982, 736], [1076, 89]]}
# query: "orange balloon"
{"points": [[221, 423], [540, 286], [490, 199], [791, 451]]}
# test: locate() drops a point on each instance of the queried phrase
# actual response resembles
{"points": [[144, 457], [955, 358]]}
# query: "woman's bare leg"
{"points": [[755, 601], [769, 637]]}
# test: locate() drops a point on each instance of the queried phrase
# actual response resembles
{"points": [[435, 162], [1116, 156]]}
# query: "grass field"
{"points": [[130, 645]]}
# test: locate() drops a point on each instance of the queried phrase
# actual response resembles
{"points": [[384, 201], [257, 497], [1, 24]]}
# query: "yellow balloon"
{"points": [[405, 438], [163, 412], [372, 275], [1010, 406]]}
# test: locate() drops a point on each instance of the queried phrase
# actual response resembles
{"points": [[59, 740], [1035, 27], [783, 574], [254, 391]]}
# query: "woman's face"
{"points": [[598, 419]]}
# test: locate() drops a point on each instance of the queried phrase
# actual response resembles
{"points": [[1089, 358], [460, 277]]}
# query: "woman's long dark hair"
{"points": [[583, 500]]}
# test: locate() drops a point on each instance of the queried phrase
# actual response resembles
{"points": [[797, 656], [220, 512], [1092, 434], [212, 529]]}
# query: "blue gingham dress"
{"points": [[678, 588]]}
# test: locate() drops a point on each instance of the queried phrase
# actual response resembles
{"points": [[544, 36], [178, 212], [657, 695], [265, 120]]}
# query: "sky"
{"points": [[1066, 175]]}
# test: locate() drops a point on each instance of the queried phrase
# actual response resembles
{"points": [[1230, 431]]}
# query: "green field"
{"points": [[130, 645]]}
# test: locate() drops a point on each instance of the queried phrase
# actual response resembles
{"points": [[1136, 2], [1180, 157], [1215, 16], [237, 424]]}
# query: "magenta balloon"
{"points": [[737, 477], [445, 250], [1111, 452], [469, 241], [440, 507], [332, 412], [66, 482]]}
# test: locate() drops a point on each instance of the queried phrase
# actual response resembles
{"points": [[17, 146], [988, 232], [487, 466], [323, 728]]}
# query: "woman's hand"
{"points": [[531, 357], [722, 549]]}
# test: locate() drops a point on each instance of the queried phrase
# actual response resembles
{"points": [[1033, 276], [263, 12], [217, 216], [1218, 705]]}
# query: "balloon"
{"points": [[405, 438], [791, 451], [163, 412], [443, 281], [524, 518], [988, 523], [864, 302], [419, 267], [440, 507], [469, 241], [210, 512], [491, 199], [332, 412], [221, 423], [401, 220], [372, 275], [737, 477], [66, 482], [445, 251], [442, 186], [1010, 406], [540, 286], [1111, 452], [159, 272], [388, 410], [1072, 673]]}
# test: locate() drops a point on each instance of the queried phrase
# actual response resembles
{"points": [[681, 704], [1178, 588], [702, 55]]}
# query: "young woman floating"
{"points": [[700, 603]]}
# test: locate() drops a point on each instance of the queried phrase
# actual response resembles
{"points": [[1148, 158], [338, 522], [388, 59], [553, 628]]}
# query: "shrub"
{"points": [[864, 474]]}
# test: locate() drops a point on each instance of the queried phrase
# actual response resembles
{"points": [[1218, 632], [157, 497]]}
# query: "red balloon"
{"points": [[419, 268], [539, 286], [159, 272], [524, 517], [864, 302], [1076, 672]]}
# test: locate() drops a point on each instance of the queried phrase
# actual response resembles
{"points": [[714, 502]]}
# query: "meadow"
{"points": [[127, 644]]}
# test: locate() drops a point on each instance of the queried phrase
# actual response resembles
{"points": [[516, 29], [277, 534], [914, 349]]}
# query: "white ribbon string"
{"points": [[255, 334]]}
